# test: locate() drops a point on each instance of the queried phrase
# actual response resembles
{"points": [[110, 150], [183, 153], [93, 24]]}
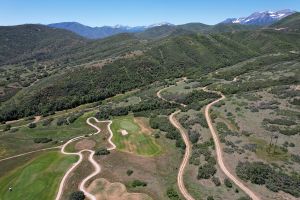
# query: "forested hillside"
{"points": [[124, 62]]}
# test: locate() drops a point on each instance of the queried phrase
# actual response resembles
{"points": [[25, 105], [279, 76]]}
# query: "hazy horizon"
{"points": [[132, 12]]}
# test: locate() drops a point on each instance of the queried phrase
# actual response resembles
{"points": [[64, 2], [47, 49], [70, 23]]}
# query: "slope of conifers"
{"points": [[173, 56], [34, 41]]}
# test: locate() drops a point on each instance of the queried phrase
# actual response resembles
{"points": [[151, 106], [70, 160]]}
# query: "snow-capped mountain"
{"points": [[260, 18], [103, 31]]}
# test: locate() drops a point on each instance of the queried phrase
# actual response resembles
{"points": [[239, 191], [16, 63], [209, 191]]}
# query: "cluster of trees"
{"points": [[274, 179], [283, 122], [163, 124], [144, 108]]}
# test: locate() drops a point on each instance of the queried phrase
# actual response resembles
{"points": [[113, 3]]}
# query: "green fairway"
{"points": [[136, 141], [37, 179], [22, 140]]}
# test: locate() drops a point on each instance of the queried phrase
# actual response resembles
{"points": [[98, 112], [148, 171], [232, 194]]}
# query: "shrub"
{"points": [[216, 181], [47, 122], [138, 183], [194, 137], [78, 195], [206, 171], [42, 140], [61, 121], [7, 127], [102, 151], [129, 172], [32, 125], [227, 183], [172, 194], [210, 198]]}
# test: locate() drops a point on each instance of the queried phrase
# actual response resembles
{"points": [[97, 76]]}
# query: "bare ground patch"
{"points": [[143, 124], [85, 144], [105, 190]]}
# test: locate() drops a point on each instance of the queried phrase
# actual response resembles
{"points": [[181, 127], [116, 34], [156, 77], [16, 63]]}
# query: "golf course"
{"points": [[36, 179], [129, 137]]}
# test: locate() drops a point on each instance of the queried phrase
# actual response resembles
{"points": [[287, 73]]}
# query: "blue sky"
{"points": [[133, 12]]}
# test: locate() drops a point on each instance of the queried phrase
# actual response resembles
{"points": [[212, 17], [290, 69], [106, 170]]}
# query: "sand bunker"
{"points": [[124, 132], [104, 190]]}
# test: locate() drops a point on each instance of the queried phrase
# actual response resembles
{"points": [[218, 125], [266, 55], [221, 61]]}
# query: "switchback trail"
{"points": [[91, 160], [219, 152], [187, 153]]}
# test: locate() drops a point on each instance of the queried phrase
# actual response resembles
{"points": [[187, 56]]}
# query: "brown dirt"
{"points": [[143, 124], [104, 190], [159, 171], [85, 144], [37, 119], [75, 178]]}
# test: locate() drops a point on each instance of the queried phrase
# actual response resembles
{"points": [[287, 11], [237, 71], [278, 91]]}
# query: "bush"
{"points": [[32, 125], [129, 172], [216, 181], [227, 183], [210, 198], [7, 127], [206, 171], [194, 137], [138, 183], [102, 151], [172, 194], [61, 121], [47, 122], [42, 140], [78, 195]]}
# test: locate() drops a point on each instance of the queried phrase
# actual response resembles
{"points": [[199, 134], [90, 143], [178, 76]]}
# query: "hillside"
{"points": [[170, 57], [291, 23], [25, 42]]}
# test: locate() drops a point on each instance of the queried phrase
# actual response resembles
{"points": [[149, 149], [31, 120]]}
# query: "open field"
{"points": [[22, 140], [135, 140], [39, 177]]}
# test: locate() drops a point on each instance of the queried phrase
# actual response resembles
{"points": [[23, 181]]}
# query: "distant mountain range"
{"points": [[260, 18], [103, 31]]}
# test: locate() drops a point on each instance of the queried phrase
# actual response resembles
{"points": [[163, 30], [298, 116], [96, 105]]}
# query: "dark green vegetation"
{"points": [[173, 56], [78, 195], [102, 151], [274, 178], [138, 183]]}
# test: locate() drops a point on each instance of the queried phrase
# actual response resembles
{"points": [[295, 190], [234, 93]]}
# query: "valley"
{"points": [[172, 112]]}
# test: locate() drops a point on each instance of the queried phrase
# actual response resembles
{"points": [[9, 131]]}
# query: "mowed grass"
{"points": [[136, 141], [37, 179], [22, 140]]}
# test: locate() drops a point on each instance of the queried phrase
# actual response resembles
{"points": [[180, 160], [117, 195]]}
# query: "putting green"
{"points": [[37, 179], [136, 141]]}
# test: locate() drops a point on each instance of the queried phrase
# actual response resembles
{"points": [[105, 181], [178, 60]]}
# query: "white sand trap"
{"points": [[124, 132]]}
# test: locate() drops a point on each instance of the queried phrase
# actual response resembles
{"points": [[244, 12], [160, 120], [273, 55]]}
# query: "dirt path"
{"points": [[185, 138], [187, 153], [218, 149], [97, 167]]}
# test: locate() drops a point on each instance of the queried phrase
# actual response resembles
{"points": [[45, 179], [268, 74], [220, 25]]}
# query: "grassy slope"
{"points": [[22, 140], [37, 179], [141, 143]]}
